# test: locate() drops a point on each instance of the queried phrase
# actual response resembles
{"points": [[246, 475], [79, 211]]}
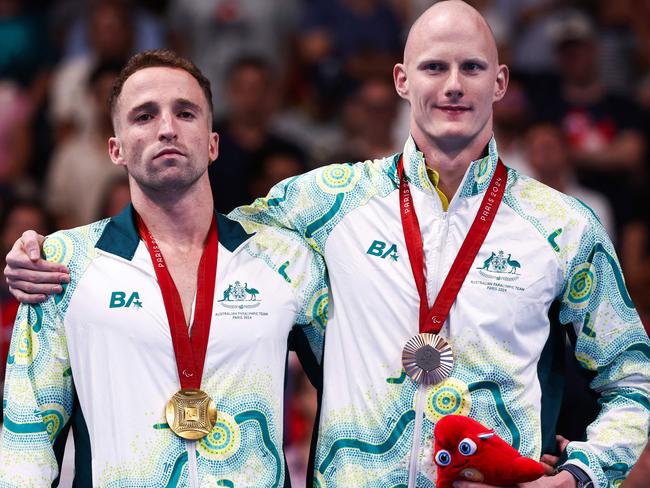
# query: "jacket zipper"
{"points": [[421, 393], [192, 464]]}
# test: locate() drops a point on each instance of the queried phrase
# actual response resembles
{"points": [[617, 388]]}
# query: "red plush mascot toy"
{"points": [[465, 450]]}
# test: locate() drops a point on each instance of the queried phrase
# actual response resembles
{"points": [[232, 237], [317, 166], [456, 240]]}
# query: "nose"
{"points": [[166, 128], [453, 84]]}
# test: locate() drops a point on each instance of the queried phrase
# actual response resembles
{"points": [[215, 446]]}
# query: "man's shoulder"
{"points": [[565, 223], [297, 267], [356, 182], [71, 245], [277, 243], [538, 200]]}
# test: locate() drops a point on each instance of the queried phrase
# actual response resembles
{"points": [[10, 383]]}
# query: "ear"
{"points": [[213, 146], [115, 151], [401, 81], [501, 83]]}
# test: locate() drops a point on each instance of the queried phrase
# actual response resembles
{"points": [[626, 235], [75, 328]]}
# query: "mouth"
{"points": [[170, 151], [461, 465], [453, 109]]}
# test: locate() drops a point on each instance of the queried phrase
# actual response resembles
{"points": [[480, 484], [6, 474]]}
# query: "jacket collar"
{"points": [[120, 236], [477, 176]]}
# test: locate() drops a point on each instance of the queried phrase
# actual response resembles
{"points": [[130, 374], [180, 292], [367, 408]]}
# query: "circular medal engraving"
{"points": [[191, 413], [427, 359]]}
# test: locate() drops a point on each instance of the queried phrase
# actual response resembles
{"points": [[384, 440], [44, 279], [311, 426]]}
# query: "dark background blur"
{"points": [[300, 83]]}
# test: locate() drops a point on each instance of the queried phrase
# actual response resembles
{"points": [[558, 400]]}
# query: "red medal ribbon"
{"points": [[189, 350], [431, 321]]}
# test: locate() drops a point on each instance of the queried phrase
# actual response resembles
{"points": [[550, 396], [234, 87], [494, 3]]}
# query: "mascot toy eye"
{"points": [[443, 458], [482, 455], [467, 447]]}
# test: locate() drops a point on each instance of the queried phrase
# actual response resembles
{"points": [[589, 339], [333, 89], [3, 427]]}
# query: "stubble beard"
{"points": [[160, 186]]}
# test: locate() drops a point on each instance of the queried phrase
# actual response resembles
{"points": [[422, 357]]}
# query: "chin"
{"points": [[451, 134]]}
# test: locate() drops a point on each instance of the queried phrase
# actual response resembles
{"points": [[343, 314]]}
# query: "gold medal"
{"points": [[191, 413], [427, 359]]}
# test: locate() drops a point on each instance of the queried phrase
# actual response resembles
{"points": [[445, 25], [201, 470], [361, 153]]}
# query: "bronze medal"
{"points": [[427, 359], [191, 413]]}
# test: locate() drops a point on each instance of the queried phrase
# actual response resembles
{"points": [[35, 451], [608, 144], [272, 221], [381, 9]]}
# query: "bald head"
{"points": [[444, 18], [451, 77]]}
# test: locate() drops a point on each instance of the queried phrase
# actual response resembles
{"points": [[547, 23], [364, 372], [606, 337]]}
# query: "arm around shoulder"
{"points": [[30, 277]]}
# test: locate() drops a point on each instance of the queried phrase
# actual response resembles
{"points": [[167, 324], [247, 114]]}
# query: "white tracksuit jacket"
{"points": [[376, 426], [100, 356]]}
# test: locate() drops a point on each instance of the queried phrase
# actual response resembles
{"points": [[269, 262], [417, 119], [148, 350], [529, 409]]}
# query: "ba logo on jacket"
{"points": [[383, 250], [119, 300]]}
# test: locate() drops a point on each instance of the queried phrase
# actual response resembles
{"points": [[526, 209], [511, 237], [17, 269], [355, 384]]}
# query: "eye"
{"points": [[186, 115], [467, 447], [435, 67], [143, 117], [472, 67], [443, 458]]}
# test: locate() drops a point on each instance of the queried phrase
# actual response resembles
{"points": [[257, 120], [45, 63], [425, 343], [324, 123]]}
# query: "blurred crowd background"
{"points": [[301, 83]]}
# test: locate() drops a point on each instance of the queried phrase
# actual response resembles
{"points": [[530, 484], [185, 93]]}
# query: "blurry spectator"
{"points": [[635, 238], [245, 136], [26, 58], [110, 32], [641, 26], [378, 103], [548, 159], [369, 117], [148, 31], [348, 40], [81, 167], [276, 167], [644, 92], [214, 33], [635, 253], [604, 130], [511, 117], [533, 51], [617, 44], [15, 134], [20, 215], [25, 52], [115, 197]]}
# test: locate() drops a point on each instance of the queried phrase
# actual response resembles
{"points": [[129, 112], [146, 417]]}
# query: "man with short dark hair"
{"points": [[167, 349]]}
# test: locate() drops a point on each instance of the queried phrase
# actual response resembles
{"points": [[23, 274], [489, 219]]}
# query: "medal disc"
{"points": [[427, 358], [191, 413]]}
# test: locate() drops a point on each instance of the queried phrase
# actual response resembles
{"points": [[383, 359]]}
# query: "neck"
{"points": [[178, 219], [450, 159]]}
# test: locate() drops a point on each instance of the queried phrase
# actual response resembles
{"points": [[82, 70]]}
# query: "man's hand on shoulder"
{"points": [[30, 277], [560, 480]]}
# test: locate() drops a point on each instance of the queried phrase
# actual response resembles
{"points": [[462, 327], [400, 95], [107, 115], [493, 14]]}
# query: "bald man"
{"points": [[531, 263]]}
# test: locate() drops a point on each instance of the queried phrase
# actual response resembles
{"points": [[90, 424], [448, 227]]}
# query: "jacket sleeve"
{"points": [[38, 397], [612, 343], [310, 204], [308, 336]]}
